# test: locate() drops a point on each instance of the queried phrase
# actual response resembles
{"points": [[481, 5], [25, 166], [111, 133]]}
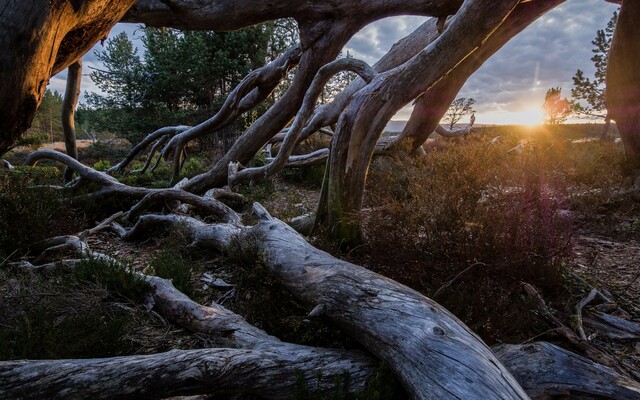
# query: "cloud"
{"points": [[545, 55]]}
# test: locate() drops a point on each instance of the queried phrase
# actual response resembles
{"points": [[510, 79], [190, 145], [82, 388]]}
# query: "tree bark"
{"points": [[70, 101], [278, 373], [433, 354], [431, 105], [623, 80], [547, 371], [40, 39], [371, 108], [235, 14], [69, 104]]}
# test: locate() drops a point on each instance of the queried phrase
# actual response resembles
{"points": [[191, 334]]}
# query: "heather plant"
{"points": [[473, 217]]}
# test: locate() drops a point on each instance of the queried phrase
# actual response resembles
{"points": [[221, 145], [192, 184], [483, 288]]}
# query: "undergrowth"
{"points": [[472, 220], [93, 309], [31, 211]]}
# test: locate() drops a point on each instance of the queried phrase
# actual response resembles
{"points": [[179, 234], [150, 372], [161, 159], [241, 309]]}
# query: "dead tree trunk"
{"points": [[40, 39], [69, 103], [431, 351], [371, 108], [278, 373], [71, 95], [623, 80], [547, 371], [432, 104]]}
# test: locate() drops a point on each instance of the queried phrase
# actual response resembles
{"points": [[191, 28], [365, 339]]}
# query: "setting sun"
{"points": [[528, 117]]}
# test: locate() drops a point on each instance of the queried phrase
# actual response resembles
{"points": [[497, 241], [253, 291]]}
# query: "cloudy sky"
{"points": [[510, 86]]}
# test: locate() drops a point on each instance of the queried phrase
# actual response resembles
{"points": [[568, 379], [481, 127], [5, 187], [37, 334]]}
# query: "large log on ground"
{"points": [[278, 373], [433, 353], [546, 371]]}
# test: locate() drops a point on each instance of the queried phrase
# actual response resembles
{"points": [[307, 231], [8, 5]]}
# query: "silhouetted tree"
{"points": [[556, 108]]}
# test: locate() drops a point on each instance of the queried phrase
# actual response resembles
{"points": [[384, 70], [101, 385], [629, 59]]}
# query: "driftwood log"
{"points": [[253, 362], [547, 371], [433, 354]]}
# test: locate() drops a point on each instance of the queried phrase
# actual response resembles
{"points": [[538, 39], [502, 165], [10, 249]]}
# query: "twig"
{"points": [[8, 257], [592, 295], [584, 346], [449, 283]]}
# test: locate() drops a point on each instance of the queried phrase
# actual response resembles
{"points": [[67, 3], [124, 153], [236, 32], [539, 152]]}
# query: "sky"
{"points": [[508, 88]]}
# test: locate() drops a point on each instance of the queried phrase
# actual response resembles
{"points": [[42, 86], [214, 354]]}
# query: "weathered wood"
{"points": [[235, 14], [146, 142], [623, 80], [583, 345], [278, 373], [210, 205], [367, 114], [69, 103], [546, 371], [264, 360], [295, 132], [429, 349], [433, 103], [40, 39]]}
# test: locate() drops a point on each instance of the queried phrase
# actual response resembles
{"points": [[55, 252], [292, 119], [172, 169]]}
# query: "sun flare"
{"points": [[528, 117]]}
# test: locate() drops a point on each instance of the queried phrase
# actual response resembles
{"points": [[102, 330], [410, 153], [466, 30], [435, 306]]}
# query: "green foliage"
{"points": [[30, 211], [556, 108], [169, 264], [118, 279], [102, 165], [47, 123], [588, 94], [142, 95], [193, 166]]}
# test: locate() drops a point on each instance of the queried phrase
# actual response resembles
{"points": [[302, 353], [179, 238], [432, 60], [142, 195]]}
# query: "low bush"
{"points": [[31, 211], [468, 223]]}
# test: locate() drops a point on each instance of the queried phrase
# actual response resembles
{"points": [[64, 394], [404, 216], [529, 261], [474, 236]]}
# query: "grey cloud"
{"points": [[548, 52]]}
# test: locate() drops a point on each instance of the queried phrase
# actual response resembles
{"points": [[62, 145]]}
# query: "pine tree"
{"points": [[458, 109], [556, 108], [589, 94]]}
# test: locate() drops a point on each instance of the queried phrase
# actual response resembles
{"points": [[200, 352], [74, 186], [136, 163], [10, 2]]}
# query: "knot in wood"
{"points": [[438, 331]]}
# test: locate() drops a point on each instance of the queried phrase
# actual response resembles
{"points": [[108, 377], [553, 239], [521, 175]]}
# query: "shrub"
{"points": [[118, 279], [470, 222], [30, 211], [102, 165], [59, 317], [170, 265]]}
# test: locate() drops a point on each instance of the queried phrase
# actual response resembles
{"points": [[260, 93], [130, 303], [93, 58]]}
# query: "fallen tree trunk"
{"points": [[265, 366], [547, 371], [277, 373], [430, 350]]}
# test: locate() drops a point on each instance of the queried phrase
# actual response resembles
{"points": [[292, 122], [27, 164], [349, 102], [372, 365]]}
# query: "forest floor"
{"points": [[470, 265]]}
